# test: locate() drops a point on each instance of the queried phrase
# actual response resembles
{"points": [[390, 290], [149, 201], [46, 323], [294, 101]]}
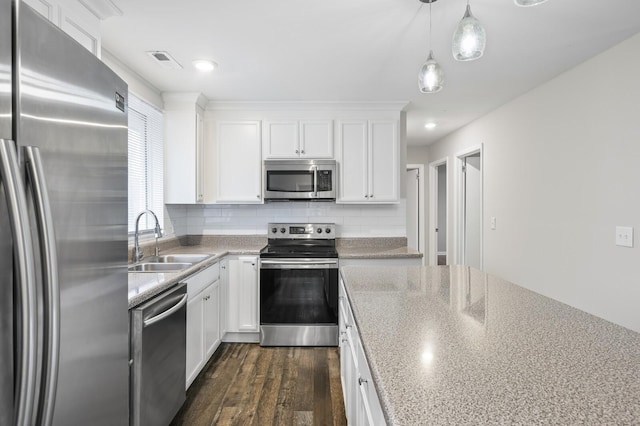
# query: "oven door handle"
{"points": [[299, 264]]}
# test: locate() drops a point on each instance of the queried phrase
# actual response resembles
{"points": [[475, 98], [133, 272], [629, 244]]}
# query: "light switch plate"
{"points": [[493, 222], [624, 236]]}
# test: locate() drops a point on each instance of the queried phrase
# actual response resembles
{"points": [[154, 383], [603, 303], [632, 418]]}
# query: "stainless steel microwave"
{"points": [[300, 180]]}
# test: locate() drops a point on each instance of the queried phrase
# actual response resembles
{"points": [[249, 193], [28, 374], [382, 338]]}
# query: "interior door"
{"points": [[441, 214], [472, 175], [413, 200]]}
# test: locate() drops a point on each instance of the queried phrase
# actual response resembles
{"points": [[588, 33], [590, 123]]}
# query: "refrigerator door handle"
{"points": [[51, 289], [24, 272]]}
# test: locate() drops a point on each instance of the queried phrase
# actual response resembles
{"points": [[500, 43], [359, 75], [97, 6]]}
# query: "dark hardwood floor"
{"points": [[245, 384]]}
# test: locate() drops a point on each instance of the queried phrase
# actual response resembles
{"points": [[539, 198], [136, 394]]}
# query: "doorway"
{"points": [[469, 210], [415, 206], [438, 212]]}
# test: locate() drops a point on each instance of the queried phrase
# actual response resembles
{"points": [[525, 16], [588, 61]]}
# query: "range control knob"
{"points": [[319, 230], [328, 230], [282, 230], [274, 230]]}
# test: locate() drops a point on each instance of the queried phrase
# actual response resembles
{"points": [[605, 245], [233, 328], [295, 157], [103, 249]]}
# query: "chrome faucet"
{"points": [[137, 251]]}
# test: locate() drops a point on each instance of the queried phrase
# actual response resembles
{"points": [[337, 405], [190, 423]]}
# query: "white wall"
{"points": [[560, 173], [385, 220]]}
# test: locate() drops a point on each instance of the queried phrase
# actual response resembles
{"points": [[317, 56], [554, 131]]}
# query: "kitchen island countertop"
{"points": [[452, 345]]}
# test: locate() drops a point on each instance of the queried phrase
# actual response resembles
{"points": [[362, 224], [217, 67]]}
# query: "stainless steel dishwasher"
{"points": [[158, 356]]}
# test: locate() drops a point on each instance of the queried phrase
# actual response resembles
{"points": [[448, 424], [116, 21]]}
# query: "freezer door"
{"points": [[6, 251], [5, 69], [73, 108]]}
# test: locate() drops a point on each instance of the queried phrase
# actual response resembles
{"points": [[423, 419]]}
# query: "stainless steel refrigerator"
{"points": [[63, 229]]}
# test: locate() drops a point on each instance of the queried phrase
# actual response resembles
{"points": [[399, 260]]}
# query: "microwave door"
{"points": [[290, 184]]}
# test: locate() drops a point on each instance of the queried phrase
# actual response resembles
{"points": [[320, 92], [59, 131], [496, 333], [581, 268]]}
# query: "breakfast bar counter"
{"points": [[453, 345]]}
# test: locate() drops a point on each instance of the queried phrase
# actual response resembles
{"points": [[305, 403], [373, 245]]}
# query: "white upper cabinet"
{"points": [[298, 139], [238, 162], [74, 19], [184, 157], [368, 160]]}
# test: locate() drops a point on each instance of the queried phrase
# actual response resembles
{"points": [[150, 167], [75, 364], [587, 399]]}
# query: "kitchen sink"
{"points": [[168, 262], [178, 258], [159, 266]]}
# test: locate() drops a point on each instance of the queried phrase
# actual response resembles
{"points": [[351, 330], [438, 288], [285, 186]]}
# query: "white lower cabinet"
{"points": [[203, 319], [362, 405], [242, 296]]}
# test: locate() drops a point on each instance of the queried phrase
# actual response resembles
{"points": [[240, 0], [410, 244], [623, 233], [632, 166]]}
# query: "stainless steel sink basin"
{"points": [[159, 266], [178, 258], [168, 262]]}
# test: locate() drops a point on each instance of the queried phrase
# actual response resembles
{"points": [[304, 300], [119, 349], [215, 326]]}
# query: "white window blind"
{"points": [[146, 186]]}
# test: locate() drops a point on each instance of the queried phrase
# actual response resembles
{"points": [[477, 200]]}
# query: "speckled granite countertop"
{"points": [[144, 285], [452, 345], [375, 248]]}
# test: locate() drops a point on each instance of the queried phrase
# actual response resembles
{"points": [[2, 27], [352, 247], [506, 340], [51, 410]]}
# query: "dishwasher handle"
{"points": [[154, 319]]}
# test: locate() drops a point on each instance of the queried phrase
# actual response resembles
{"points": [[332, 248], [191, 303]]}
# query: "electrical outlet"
{"points": [[624, 236], [493, 222]]}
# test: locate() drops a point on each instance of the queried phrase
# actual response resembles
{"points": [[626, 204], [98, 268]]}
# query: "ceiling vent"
{"points": [[164, 59]]}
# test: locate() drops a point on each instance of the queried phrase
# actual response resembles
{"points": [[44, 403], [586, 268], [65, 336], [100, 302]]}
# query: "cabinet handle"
{"points": [[361, 381], [297, 152], [366, 196], [258, 196], [347, 325], [371, 196], [302, 152]]}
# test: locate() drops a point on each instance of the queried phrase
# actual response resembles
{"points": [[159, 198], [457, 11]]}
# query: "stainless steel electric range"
{"points": [[299, 285]]}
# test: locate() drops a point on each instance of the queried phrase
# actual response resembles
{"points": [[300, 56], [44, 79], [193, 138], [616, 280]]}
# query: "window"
{"points": [[145, 163]]}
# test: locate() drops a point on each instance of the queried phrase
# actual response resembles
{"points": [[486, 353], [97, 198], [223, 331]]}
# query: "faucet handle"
{"points": [[138, 254]]}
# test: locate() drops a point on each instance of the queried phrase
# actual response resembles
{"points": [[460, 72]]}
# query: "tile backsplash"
{"points": [[384, 220]]}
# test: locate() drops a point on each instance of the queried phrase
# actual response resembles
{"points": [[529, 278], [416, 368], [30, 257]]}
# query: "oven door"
{"points": [[298, 302]]}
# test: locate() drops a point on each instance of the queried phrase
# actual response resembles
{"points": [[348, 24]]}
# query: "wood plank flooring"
{"points": [[245, 384]]}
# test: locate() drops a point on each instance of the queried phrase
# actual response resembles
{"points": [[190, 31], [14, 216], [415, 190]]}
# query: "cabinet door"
{"points": [[180, 157], [281, 139], [199, 158], [316, 139], [383, 158], [195, 341], [239, 162], [73, 18], [353, 159], [211, 315], [82, 26], [45, 8], [224, 297], [243, 294]]}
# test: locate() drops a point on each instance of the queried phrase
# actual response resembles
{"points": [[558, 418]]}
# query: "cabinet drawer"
{"points": [[198, 281]]}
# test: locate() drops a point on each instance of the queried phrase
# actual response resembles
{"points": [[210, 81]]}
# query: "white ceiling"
{"points": [[364, 50]]}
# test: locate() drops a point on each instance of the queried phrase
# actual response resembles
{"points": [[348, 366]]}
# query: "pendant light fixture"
{"points": [[527, 3], [431, 76], [469, 39]]}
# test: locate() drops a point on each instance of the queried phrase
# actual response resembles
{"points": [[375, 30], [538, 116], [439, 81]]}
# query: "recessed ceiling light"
{"points": [[430, 126], [204, 65]]}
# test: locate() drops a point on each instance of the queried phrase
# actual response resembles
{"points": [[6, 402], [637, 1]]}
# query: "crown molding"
{"points": [[306, 106]]}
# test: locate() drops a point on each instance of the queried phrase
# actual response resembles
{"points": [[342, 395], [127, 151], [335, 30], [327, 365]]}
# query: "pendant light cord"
{"points": [[430, 24]]}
